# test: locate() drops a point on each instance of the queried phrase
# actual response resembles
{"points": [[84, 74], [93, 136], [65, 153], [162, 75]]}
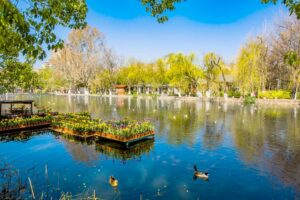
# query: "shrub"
{"points": [[249, 100], [275, 94], [233, 93]]}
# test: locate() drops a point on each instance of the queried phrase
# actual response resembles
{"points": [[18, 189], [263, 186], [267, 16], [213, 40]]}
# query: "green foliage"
{"points": [[249, 100], [234, 93], [26, 27], [158, 8], [292, 59], [7, 123], [213, 68], [275, 94], [251, 66], [49, 80], [292, 5], [14, 74], [103, 80], [183, 73], [84, 125]]}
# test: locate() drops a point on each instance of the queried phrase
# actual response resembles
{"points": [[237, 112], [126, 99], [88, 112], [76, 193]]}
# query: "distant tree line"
{"points": [[265, 62]]}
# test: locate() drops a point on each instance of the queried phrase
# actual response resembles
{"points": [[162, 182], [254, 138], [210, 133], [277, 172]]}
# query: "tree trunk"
{"points": [[296, 91]]}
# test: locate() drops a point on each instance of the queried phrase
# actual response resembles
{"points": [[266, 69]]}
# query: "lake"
{"points": [[249, 152]]}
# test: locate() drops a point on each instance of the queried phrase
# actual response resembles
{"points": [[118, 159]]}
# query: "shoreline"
{"points": [[204, 99], [184, 98]]}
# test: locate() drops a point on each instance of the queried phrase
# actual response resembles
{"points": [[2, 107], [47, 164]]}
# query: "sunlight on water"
{"points": [[249, 152]]}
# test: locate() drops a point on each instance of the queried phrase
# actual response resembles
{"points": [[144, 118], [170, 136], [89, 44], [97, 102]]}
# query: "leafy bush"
{"points": [[249, 100], [275, 94], [233, 93]]}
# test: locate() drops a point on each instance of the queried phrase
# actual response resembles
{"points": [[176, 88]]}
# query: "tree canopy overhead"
{"points": [[157, 8], [27, 26], [292, 5]]}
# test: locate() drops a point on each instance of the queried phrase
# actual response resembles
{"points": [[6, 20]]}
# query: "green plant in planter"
{"points": [[83, 124], [17, 122]]}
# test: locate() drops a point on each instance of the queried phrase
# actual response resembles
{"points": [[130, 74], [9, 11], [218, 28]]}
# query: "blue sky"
{"points": [[197, 26]]}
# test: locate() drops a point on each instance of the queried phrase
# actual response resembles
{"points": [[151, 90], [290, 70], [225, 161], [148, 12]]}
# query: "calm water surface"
{"points": [[249, 151]]}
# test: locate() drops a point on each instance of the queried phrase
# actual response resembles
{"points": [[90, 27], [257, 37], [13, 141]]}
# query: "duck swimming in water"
{"points": [[113, 181], [198, 174]]}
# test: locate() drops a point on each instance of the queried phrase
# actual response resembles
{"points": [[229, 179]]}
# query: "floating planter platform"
{"points": [[25, 127], [19, 124], [108, 136], [81, 125]]}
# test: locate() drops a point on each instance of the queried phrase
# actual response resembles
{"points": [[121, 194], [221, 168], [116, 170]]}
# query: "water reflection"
{"points": [[81, 151], [117, 151], [264, 139], [89, 151], [20, 136], [270, 139]]}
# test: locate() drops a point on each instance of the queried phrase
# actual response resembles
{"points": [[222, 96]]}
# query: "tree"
{"points": [[284, 46], [50, 80], [292, 5], [14, 74], [183, 73], [27, 26], [251, 66], [292, 59], [103, 81], [157, 73], [82, 57], [214, 66], [158, 8]]}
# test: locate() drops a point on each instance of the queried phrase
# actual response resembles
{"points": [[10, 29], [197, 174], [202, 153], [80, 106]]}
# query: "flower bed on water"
{"points": [[82, 125], [21, 123]]}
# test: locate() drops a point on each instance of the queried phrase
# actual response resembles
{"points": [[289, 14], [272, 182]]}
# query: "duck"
{"points": [[113, 181], [198, 174]]}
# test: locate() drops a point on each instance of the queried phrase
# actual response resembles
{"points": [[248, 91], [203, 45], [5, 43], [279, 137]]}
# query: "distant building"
{"points": [[120, 89]]}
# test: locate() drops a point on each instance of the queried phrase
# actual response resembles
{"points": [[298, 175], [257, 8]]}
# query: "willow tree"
{"points": [[159, 75], [251, 66], [132, 75], [183, 73], [214, 68]]}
